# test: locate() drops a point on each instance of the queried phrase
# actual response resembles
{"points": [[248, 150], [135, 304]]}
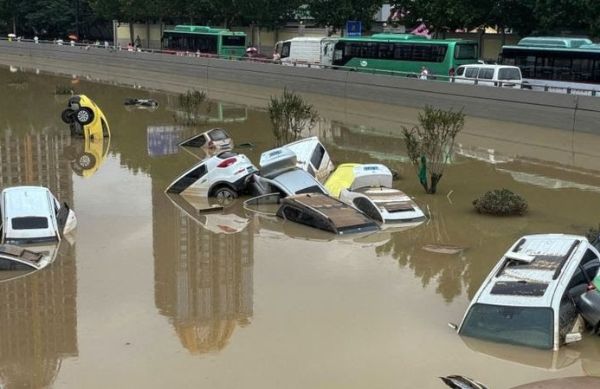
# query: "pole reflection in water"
{"points": [[38, 312], [203, 272]]}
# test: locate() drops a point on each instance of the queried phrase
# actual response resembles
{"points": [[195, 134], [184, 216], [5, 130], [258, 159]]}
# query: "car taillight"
{"points": [[228, 162]]}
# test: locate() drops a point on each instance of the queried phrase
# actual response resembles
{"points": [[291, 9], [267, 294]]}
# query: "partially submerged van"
{"points": [[31, 214], [530, 296], [489, 75]]}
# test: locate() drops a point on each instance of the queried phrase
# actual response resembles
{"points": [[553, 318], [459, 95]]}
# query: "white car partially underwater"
{"points": [[223, 176], [31, 214], [369, 189], [311, 157]]}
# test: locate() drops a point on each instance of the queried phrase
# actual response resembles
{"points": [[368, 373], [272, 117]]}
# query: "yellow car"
{"points": [[86, 160], [85, 118]]}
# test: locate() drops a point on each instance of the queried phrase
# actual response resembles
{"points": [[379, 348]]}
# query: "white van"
{"points": [[489, 75], [305, 51]]}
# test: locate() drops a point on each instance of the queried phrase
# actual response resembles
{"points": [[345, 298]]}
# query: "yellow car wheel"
{"points": [[84, 116], [86, 161]]}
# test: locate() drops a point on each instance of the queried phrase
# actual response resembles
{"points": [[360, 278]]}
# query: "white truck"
{"points": [[306, 51]]}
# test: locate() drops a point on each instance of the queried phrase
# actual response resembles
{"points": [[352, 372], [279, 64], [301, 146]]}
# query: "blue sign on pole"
{"points": [[353, 28]]}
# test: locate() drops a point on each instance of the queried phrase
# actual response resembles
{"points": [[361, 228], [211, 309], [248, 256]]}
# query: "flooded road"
{"points": [[149, 295]]}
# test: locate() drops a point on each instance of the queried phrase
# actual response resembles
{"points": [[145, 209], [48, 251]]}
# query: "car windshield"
{"points": [[526, 326]]}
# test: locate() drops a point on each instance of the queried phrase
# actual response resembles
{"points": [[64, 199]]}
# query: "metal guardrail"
{"points": [[430, 77]]}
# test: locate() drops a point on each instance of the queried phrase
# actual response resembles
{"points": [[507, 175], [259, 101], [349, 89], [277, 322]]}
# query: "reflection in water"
{"points": [[38, 313], [203, 279], [38, 323]]}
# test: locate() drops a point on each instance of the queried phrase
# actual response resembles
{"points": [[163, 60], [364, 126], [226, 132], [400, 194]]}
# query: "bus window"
{"points": [[429, 53], [386, 50], [234, 41], [465, 51], [403, 52]]}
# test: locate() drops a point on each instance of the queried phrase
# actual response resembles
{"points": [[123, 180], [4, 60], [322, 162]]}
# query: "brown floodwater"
{"points": [[150, 294]]}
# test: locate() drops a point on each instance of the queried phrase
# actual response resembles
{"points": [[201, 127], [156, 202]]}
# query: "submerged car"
{"points": [[85, 118], [529, 297], [325, 213], [312, 157], [32, 214], [216, 139], [369, 189], [279, 173], [223, 176], [17, 258]]}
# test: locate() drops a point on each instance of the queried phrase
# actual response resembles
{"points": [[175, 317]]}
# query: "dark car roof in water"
{"points": [[341, 217]]}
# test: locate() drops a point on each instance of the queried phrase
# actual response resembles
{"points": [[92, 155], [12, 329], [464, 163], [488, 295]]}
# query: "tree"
{"points": [[335, 13], [440, 15], [430, 144], [290, 115]]}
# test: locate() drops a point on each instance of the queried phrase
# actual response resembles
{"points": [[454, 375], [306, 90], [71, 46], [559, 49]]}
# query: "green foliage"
{"points": [[63, 89], [190, 104], [290, 115], [430, 144], [335, 13], [522, 16], [500, 202], [593, 233]]}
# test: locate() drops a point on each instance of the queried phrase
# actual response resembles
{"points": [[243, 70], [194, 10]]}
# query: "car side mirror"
{"points": [[453, 326], [573, 337]]}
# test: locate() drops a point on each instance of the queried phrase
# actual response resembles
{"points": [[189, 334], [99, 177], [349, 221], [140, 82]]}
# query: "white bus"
{"points": [[306, 51]]}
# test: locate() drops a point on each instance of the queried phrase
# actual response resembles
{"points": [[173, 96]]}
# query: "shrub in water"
{"points": [[62, 89], [190, 103], [290, 115], [430, 144], [501, 202]]}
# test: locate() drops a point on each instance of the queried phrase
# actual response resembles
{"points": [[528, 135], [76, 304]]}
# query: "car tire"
{"points": [[86, 161], [225, 196], [84, 116], [67, 116]]}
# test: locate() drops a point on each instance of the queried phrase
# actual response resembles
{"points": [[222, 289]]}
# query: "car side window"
{"points": [[460, 71], [285, 49], [471, 72], [486, 74], [198, 172]]}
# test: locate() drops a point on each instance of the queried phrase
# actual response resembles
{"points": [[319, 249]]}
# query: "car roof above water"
{"points": [[26, 201], [531, 271]]}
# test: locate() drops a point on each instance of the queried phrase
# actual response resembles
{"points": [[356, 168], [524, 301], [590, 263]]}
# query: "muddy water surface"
{"points": [[150, 295]]}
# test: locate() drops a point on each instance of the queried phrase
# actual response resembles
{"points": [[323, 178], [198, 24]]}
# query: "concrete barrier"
{"points": [[566, 112]]}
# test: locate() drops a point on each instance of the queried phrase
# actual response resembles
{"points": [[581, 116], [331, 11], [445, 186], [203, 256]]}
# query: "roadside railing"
{"points": [[430, 77]]}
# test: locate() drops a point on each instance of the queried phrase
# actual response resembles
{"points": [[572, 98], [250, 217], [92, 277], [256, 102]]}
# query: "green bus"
{"points": [[205, 40], [556, 62], [405, 53]]}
